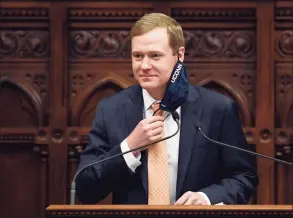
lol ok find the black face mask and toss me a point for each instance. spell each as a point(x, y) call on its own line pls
point(177, 89)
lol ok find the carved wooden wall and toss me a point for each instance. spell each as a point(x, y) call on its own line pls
point(59, 59)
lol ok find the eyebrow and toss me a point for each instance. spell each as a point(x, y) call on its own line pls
point(149, 52)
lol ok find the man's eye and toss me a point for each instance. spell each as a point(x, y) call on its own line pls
point(156, 56)
point(137, 56)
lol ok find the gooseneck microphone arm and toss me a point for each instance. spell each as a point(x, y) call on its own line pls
point(175, 116)
point(241, 149)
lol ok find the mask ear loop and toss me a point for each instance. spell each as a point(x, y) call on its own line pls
point(166, 117)
point(179, 59)
point(157, 111)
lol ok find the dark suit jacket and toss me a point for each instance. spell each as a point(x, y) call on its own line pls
point(223, 174)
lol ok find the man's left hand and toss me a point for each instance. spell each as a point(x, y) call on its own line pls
point(191, 198)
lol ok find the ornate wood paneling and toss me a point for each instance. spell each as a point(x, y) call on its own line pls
point(23, 44)
point(93, 82)
point(284, 96)
point(99, 44)
point(24, 63)
point(58, 59)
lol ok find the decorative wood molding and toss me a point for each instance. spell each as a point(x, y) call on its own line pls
point(284, 84)
point(284, 135)
point(24, 44)
point(81, 100)
point(240, 78)
point(284, 93)
point(99, 44)
point(154, 211)
point(58, 135)
point(39, 81)
point(42, 136)
point(284, 152)
point(24, 135)
point(284, 45)
point(31, 14)
point(284, 14)
point(107, 14)
point(265, 135)
point(75, 151)
point(218, 46)
point(238, 96)
point(251, 135)
point(17, 138)
point(213, 14)
point(42, 150)
point(200, 44)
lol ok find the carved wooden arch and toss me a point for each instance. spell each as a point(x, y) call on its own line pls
point(238, 96)
point(30, 92)
point(81, 100)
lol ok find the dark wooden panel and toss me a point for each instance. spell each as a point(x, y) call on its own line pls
point(18, 108)
point(23, 180)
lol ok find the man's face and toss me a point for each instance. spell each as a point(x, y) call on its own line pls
point(153, 60)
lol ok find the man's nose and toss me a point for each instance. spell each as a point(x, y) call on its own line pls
point(146, 64)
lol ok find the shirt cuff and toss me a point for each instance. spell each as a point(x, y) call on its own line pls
point(131, 161)
point(205, 197)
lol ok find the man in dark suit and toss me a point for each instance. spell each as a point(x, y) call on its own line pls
point(197, 171)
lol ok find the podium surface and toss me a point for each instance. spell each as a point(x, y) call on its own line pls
point(82, 211)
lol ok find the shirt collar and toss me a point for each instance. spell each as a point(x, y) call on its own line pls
point(148, 100)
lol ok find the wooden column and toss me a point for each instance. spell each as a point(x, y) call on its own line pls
point(265, 100)
point(58, 102)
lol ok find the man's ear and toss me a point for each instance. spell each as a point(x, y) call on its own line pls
point(181, 52)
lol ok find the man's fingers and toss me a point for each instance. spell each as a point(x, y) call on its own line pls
point(156, 137)
point(190, 201)
point(183, 199)
point(154, 119)
point(155, 125)
point(157, 131)
point(191, 198)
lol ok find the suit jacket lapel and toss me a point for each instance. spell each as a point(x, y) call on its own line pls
point(134, 108)
point(190, 114)
point(134, 114)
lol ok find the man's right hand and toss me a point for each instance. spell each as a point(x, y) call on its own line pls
point(147, 131)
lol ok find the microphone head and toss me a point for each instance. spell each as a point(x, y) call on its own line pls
point(198, 126)
point(175, 116)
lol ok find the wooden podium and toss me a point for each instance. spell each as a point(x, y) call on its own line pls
point(99, 211)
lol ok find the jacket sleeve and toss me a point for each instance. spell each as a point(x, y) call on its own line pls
point(239, 178)
point(97, 181)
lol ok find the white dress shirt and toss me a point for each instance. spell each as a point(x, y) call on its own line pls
point(172, 146)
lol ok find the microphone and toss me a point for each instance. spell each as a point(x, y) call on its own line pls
point(175, 116)
point(198, 127)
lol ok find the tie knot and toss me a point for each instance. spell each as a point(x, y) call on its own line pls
point(157, 110)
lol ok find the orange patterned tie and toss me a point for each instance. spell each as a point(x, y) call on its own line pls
point(158, 174)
